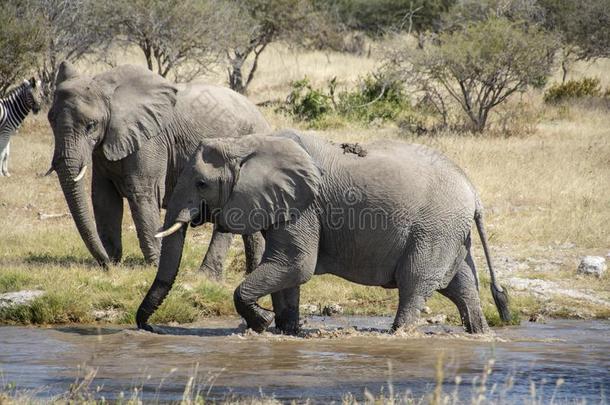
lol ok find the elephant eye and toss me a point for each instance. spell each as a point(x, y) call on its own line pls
point(201, 184)
point(90, 126)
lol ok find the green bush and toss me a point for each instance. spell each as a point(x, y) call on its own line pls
point(573, 89)
point(307, 103)
point(375, 98)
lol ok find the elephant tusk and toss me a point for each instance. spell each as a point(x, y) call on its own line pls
point(169, 230)
point(81, 174)
point(48, 173)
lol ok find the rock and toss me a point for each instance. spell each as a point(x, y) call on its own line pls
point(437, 319)
point(593, 265)
point(332, 309)
point(539, 318)
point(106, 315)
point(426, 310)
point(309, 309)
point(19, 297)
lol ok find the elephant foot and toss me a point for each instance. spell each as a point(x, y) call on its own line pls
point(403, 326)
point(260, 319)
point(288, 321)
point(257, 318)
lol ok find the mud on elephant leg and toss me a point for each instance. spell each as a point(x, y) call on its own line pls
point(464, 293)
point(213, 262)
point(286, 307)
point(108, 211)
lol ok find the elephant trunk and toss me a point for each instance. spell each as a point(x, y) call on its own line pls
point(169, 263)
point(77, 200)
point(68, 171)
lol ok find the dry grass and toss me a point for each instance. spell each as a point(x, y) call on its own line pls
point(540, 191)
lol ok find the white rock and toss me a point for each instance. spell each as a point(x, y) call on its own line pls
point(107, 315)
point(309, 309)
point(19, 297)
point(437, 319)
point(593, 265)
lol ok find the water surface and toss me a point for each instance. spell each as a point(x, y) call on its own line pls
point(331, 360)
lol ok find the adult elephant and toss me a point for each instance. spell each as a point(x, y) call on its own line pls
point(391, 214)
point(137, 131)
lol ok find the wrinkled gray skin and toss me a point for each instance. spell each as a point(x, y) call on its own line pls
point(137, 131)
point(398, 217)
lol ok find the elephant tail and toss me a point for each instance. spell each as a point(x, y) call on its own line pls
point(498, 293)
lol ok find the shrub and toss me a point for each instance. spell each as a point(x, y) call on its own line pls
point(375, 98)
point(573, 89)
point(307, 103)
point(479, 66)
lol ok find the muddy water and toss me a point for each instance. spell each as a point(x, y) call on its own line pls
point(330, 360)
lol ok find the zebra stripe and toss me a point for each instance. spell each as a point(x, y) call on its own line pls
point(13, 110)
point(15, 107)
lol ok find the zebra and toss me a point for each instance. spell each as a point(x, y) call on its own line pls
point(13, 110)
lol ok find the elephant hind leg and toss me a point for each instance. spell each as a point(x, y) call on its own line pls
point(415, 286)
point(464, 293)
point(420, 274)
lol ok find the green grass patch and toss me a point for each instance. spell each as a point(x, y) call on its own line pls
point(14, 281)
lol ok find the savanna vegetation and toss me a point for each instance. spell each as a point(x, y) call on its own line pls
point(515, 91)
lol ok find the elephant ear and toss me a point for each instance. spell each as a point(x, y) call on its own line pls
point(65, 72)
point(140, 106)
point(275, 182)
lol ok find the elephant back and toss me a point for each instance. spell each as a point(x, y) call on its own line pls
point(219, 112)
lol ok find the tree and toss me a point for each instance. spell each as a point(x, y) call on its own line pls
point(464, 12)
point(181, 37)
point(68, 32)
point(262, 22)
point(480, 66)
point(21, 39)
point(584, 28)
point(377, 17)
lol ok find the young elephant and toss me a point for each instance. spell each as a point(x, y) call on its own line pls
point(391, 214)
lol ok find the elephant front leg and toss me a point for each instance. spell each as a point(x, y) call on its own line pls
point(145, 213)
point(289, 261)
point(214, 259)
point(254, 246)
point(286, 307)
point(108, 211)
